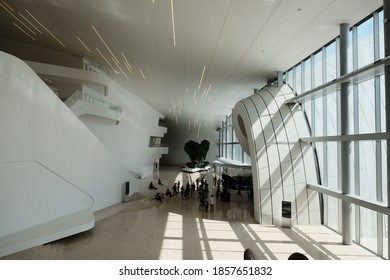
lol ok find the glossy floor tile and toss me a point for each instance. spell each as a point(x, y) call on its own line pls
point(180, 229)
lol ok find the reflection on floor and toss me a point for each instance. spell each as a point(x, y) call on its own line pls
point(179, 229)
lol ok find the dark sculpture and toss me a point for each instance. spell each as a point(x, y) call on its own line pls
point(197, 152)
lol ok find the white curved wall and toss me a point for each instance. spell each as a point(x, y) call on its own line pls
point(269, 131)
point(37, 127)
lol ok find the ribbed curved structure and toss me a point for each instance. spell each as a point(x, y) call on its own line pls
point(269, 131)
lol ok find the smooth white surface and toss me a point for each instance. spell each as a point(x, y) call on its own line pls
point(281, 164)
point(21, 182)
point(36, 126)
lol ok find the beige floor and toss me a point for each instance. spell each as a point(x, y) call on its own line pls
point(179, 229)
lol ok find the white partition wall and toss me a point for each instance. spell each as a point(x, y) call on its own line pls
point(269, 131)
point(54, 172)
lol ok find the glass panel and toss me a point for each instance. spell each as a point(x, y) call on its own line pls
point(307, 110)
point(298, 79)
point(365, 36)
point(331, 153)
point(307, 65)
point(229, 135)
point(229, 151)
point(367, 170)
point(350, 52)
point(320, 155)
point(333, 215)
point(366, 96)
point(319, 124)
point(381, 36)
point(385, 238)
point(331, 69)
point(384, 171)
point(318, 69)
point(383, 107)
point(237, 152)
point(229, 120)
point(290, 78)
point(331, 114)
point(368, 229)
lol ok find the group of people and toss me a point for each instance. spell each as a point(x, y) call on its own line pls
point(187, 191)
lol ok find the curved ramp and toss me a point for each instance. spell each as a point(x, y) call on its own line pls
point(63, 210)
point(269, 131)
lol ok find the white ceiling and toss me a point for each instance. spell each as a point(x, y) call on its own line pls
point(239, 43)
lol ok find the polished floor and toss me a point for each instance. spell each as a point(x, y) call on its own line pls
point(179, 229)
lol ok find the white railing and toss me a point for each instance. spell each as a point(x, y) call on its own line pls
point(79, 95)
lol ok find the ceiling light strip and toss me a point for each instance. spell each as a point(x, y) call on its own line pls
point(9, 7)
point(105, 43)
point(36, 28)
point(208, 90)
point(142, 73)
point(107, 60)
point(128, 68)
point(50, 81)
point(24, 31)
point(203, 95)
point(173, 24)
point(29, 29)
point(85, 46)
point(117, 64)
point(201, 78)
point(46, 29)
point(124, 57)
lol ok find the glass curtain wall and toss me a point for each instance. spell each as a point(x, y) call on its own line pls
point(368, 170)
point(229, 147)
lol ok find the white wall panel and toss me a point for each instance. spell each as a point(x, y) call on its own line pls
point(281, 166)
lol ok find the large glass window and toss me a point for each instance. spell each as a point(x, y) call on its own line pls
point(298, 79)
point(307, 74)
point(331, 63)
point(365, 38)
point(366, 96)
point(318, 80)
point(366, 115)
point(381, 36)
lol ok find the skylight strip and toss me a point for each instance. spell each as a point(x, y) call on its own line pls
point(36, 28)
point(117, 64)
point(50, 81)
point(127, 61)
point(201, 78)
point(142, 73)
point(24, 31)
point(128, 68)
point(105, 43)
point(29, 29)
point(7, 5)
point(83, 44)
point(173, 24)
point(46, 29)
point(208, 90)
point(106, 60)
